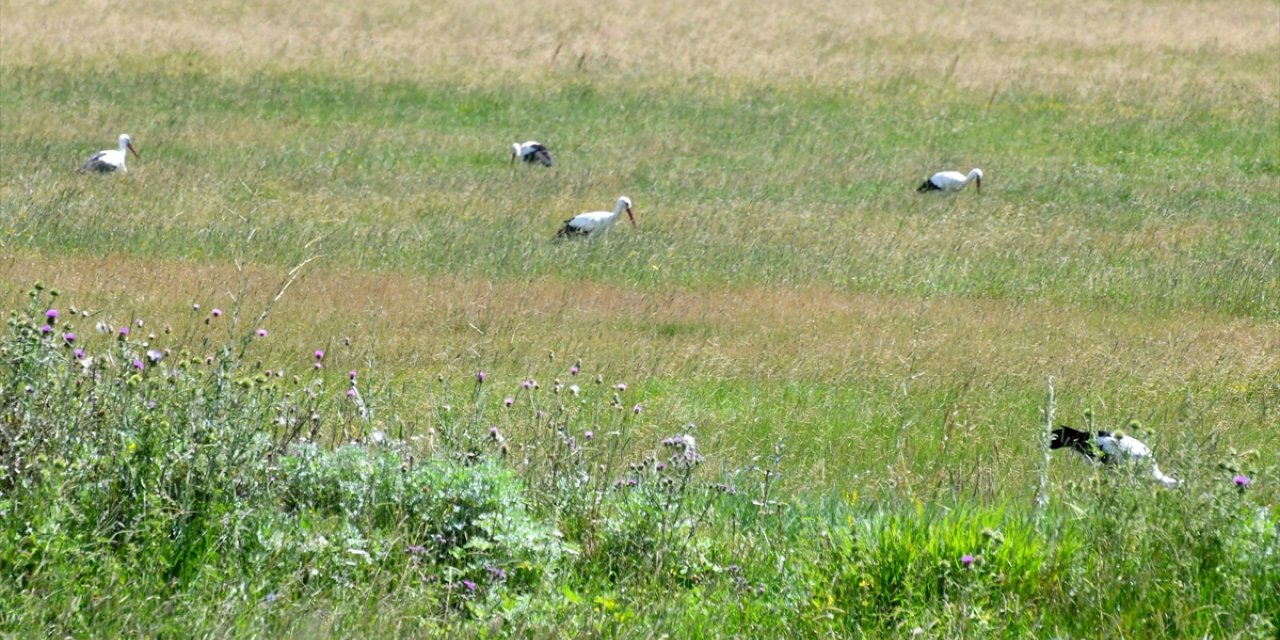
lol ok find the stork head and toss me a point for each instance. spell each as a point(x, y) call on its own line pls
point(625, 203)
point(977, 179)
point(127, 143)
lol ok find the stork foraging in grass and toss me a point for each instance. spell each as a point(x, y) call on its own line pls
point(596, 222)
point(531, 152)
point(951, 181)
point(110, 160)
point(1109, 449)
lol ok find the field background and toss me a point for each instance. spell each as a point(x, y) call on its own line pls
point(784, 284)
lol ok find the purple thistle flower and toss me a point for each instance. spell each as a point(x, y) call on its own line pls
point(508, 401)
point(78, 353)
point(46, 330)
point(573, 371)
point(352, 393)
point(621, 386)
point(262, 333)
point(480, 377)
point(319, 354)
point(319, 366)
point(154, 356)
point(69, 337)
point(966, 559)
point(137, 364)
point(351, 374)
point(636, 409)
point(1242, 481)
point(528, 384)
point(51, 315)
point(589, 435)
point(124, 332)
point(416, 549)
point(471, 586)
point(217, 312)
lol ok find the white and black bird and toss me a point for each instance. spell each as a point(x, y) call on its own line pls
point(1109, 449)
point(596, 222)
point(951, 181)
point(110, 160)
point(531, 152)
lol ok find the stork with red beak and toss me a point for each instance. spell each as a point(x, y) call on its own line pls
point(596, 222)
point(951, 181)
point(110, 160)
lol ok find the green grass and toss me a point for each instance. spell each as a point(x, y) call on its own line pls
point(864, 366)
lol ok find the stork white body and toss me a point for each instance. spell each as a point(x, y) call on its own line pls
point(531, 152)
point(951, 181)
point(110, 160)
point(1126, 449)
point(596, 222)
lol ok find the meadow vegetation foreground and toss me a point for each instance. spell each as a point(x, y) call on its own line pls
point(316, 367)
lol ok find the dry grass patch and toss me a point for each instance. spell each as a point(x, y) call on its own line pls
point(423, 323)
point(986, 44)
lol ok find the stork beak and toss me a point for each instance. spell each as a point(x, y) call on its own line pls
point(631, 217)
point(978, 185)
point(135, 151)
point(513, 158)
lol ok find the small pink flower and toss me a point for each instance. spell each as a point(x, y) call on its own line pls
point(966, 560)
point(319, 354)
point(1242, 481)
point(137, 364)
point(528, 384)
point(589, 435)
point(124, 332)
point(46, 330)
point(262, 333)
point(508, 401)
point(78, 353)
point(351, 393)
point(573, 371)
point(51, 315)
point(621, 386)
point(351, 374)
point(217, 312)
point(636, 409)
point(480, 377)
point(318, 366)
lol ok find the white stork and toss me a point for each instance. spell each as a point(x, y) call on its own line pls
point(596, 222)
point(1114, 449)
point(951, 181)
point(531, 152)
point(110, 160)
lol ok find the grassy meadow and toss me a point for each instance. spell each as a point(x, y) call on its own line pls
point(866, 369)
